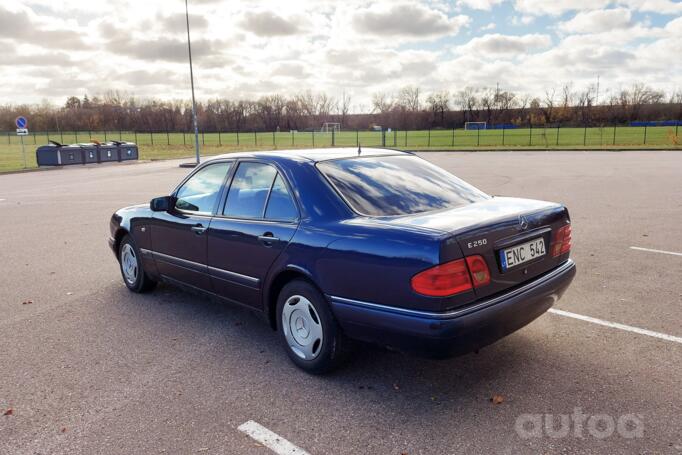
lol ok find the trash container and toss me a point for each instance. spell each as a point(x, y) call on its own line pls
point(70, 154)
point(48, 155)
point(56, 154)
point(108, 152)
point(128, 151)
point(90, 153)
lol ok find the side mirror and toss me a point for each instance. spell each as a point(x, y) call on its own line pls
point(161, 204)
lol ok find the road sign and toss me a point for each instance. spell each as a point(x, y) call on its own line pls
point(22, 131)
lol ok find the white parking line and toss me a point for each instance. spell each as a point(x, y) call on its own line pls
point(655, 251)
point(269, 439)
point(615, 325)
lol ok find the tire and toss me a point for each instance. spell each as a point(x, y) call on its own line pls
point(134, 276)
point(308, 330)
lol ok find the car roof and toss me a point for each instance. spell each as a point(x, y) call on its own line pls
point(315, 155)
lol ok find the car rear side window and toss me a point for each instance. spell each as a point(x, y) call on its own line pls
point(397, 185)
point(280, 204)
point(200, 192)
point(249, 190)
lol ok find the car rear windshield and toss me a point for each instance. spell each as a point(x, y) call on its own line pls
point(397, 185)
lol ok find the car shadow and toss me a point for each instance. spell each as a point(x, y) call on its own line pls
point(369, 367)
point(530, 371)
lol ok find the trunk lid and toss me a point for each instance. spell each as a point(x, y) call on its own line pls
point(488, 228)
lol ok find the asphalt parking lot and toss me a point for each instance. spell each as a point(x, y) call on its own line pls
point(88, 367)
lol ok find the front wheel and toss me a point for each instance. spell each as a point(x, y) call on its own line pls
point(311, 336)
point(133, 274)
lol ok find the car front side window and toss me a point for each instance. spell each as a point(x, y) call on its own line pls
point(200, 193)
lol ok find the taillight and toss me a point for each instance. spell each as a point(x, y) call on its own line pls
point(443, 280)
point(452, 277)
point(480, 275)
point(562, 241)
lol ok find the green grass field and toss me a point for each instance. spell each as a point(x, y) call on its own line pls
point(179, 145)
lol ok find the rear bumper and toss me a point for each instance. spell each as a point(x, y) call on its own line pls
point(458, 331)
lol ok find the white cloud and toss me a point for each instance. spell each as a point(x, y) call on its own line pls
point(598, 21)
point(508, 45)
point(267, 23)
point(412, 20)
point(654, 6)
point(250, 49)
point(557, 7)
point(484, 5)
point(523, 20)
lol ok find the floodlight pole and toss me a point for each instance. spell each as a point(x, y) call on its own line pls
point(191, 78)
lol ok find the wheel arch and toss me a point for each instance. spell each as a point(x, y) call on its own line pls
point(118, 238)
point(280, 280)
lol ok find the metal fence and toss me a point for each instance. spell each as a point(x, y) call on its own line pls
point(530, 136)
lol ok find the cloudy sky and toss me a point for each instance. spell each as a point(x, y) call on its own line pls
point(243, 49)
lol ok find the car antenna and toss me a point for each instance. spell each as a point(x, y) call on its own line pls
point(359, 149)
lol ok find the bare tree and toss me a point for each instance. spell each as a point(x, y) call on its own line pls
point(585, 103)
point(382, 102)
point(505, 101)
point(467, 101)
point(345, 107)
point(438, 105)
point(408, 98)
point(548, 108)
point(487, 104)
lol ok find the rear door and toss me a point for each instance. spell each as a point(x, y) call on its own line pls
point(179, 239)
point(257, 221)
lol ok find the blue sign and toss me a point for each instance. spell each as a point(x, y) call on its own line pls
point(21, 122)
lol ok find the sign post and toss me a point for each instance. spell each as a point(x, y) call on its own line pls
point(22, 131)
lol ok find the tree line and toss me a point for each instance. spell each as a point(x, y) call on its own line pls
point(407, 109)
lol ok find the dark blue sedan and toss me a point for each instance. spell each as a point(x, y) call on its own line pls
point(345, 244)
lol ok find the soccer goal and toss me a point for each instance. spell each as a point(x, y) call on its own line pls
point(328, 127)
point(475, 125)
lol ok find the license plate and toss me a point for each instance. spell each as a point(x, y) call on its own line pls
point(511, 257)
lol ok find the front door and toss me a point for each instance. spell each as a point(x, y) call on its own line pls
point(258, 220)
point(179, 236)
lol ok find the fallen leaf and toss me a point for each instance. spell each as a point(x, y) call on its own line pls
point(203, 449)
point(63, 430)
point(497, 399)
point(9, 412)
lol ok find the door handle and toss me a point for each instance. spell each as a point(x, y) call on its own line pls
point(198, 229)
point(268, 239)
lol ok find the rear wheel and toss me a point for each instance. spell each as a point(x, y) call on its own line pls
point(311, 336)
point(133, 274)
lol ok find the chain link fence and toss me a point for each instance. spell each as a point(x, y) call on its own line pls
point(532, 136)
point(167, 144)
